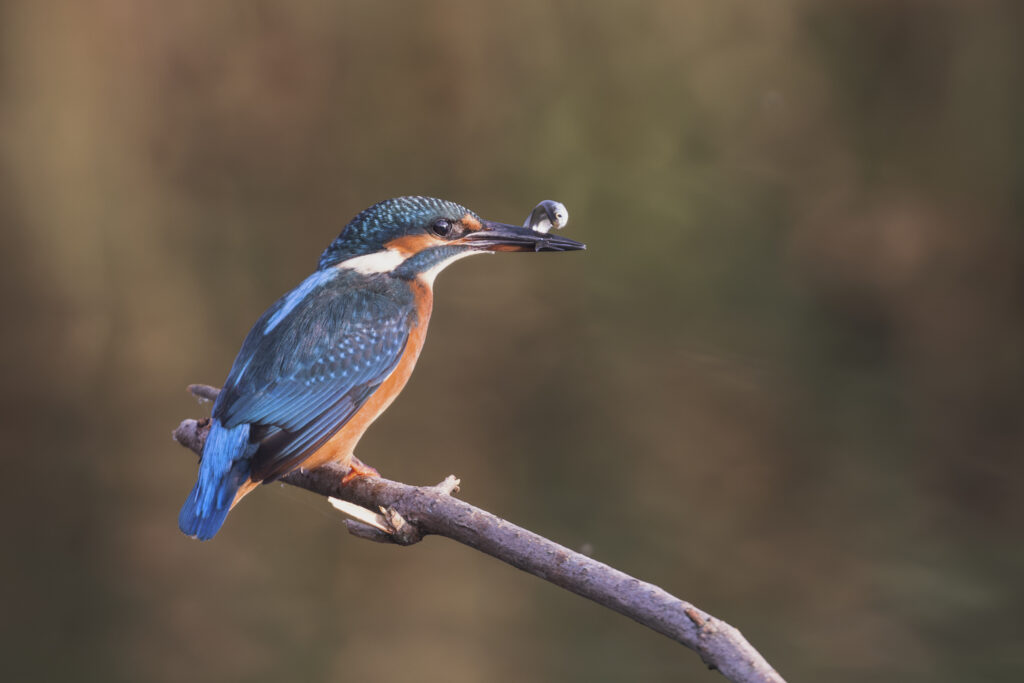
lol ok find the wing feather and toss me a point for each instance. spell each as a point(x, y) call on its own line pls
point(301, 375)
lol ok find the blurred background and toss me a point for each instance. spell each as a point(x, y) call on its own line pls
point(784, 382)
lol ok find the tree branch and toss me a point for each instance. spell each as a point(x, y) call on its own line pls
point(410, 512)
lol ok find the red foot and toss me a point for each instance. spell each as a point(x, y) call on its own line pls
point(357, 468)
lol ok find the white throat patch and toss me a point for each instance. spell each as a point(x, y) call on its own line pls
point(371, 264)
point(387, 260)
point(429, 275)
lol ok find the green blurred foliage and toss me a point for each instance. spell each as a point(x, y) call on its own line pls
point(784, 382)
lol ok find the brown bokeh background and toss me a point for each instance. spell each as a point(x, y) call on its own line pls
point(784, 382)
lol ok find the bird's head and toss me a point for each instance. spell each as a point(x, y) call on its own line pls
point(418, 236)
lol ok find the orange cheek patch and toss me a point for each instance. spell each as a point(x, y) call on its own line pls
point(413, 244)
point(471, 224)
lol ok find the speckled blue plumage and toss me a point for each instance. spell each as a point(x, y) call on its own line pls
point(304, 377)
point(367, 232)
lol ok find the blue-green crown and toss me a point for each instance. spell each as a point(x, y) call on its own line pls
point(392, 218)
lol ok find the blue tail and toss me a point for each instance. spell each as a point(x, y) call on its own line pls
point(224, 468)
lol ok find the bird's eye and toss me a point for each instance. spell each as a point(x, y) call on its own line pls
point(442, 227)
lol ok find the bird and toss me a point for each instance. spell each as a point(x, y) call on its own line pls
point(327, 358)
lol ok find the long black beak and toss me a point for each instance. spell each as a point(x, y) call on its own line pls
point(502, 237)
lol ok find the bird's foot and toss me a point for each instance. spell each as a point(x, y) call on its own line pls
point(357, 468)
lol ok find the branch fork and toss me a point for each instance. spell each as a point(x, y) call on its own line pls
point(388, 525)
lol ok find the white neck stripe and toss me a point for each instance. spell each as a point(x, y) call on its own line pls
point(387, 260)
point(429, 275)
point(372, 264)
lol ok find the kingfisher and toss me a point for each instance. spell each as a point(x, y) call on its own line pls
point(325, 360)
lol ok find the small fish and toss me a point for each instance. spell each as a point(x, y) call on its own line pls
point(547, 215)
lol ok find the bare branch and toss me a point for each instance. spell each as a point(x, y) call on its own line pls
point(410, 512)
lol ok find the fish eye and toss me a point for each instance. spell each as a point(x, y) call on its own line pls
point(441, 227)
